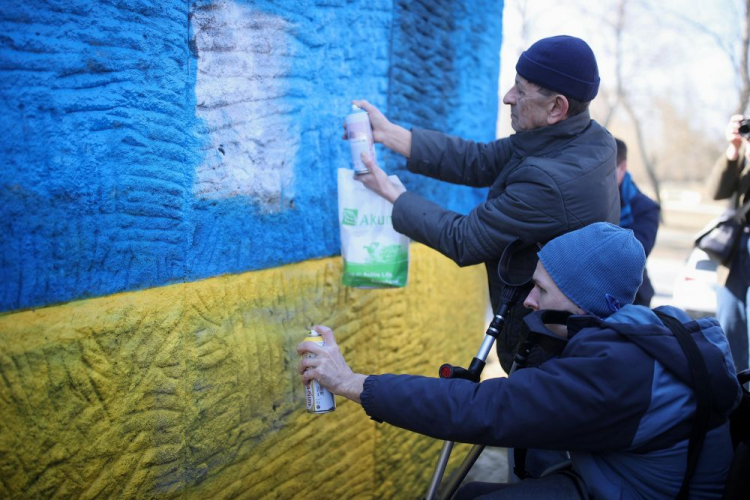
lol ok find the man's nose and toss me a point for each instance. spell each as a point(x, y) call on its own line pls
point(510, 97)
point(531, 302)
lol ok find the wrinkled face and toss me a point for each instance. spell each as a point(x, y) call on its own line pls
point(528, 108)
point(546, 295)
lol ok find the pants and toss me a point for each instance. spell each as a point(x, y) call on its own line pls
point(561, 486)
point(537, 462)
point(731, 310)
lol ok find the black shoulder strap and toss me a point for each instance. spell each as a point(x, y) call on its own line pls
point(519, 463)
point(537, 334)
point(702, 387)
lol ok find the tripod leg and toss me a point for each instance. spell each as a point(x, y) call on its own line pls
point(437, 476)
point(455, 479)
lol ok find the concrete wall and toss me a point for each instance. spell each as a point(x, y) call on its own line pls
point(168, 217)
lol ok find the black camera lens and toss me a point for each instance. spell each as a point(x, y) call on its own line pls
point(744, 129)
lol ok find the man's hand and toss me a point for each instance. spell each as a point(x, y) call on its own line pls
point(378, 181)
point(328, 367)
point(392, 136)
point(733, 137)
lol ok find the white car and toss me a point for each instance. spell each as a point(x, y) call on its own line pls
point(695, 286)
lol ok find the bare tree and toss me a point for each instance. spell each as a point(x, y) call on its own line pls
point(742, 69)
point(685, 151)
point(734, 43)
point(621, 96)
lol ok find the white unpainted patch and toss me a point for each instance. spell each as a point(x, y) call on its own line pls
point(244, 57)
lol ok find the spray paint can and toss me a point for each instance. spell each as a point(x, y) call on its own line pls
point(359, 133)
point(318, 398)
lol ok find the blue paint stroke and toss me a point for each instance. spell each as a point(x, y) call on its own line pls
point(100, 142)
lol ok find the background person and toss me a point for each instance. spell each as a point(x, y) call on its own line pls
point(730, 178)
point(554, 175)
point(624, 417)
point(639, 213)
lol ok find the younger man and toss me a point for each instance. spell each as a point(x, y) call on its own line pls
point(624, 417)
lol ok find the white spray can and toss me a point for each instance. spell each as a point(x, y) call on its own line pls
point(359, 133)
point(318, 398)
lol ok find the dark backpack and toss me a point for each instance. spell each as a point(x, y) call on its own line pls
point(737, 485)
point(738, 481)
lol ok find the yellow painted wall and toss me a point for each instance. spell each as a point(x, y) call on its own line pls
point(191, 390)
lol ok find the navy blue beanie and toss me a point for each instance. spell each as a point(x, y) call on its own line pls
point(598, 267)
point(564, 64)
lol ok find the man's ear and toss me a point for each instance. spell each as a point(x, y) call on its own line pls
point(557, 109)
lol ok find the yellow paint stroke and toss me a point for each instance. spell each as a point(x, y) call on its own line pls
point(191, 390)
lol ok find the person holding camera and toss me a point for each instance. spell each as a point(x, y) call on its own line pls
point(624, 416)
point(730, 179)
point(554, 175)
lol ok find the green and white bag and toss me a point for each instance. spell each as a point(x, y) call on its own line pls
point(375, 255)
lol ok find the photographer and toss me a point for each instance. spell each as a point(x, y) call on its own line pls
point(554, 175)
point(730, 178)
point(624, 417)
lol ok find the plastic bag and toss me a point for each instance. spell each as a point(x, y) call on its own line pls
point(375, 255)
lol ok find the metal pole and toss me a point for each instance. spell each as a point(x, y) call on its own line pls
point(454, 481)
point(437, 476)
point(509, 297)
point(445, 452)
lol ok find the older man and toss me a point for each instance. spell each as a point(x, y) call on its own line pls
point(617, 397)
point(554, 175)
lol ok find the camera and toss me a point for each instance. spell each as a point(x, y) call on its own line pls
point(744, 129)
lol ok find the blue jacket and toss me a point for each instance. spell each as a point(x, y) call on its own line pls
point(640, 213)
point(624, 417)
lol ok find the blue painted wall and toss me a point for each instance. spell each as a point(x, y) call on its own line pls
point(146, 142)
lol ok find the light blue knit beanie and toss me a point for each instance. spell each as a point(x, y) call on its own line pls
point(598, 267)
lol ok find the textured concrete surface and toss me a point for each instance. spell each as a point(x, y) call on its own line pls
point(152, 142)
point(190, 391)
point(169, 233)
